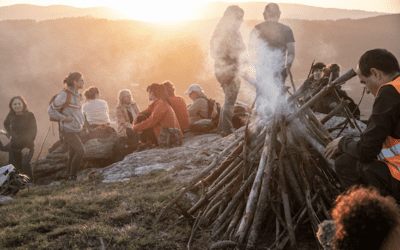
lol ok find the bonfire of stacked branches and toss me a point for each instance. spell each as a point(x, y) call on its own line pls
point(275, 178)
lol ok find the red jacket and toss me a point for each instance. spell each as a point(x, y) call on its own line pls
point(162, 114)
point(181, 111)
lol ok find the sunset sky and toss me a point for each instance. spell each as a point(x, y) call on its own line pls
point(157, 10)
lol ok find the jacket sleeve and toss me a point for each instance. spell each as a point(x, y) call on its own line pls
point(148, 110)
point(122, 122)
point(55, 107)
point(153, 120)
point(7, 125)
point(382, 123)
point(32, 131)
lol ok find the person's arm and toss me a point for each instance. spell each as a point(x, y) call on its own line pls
point(7, 125)
point(153, 120)
point(32, 130)
point(290, 55)
point(122, 121)
point(196, 107)
point(385, 115)
point(55, 107)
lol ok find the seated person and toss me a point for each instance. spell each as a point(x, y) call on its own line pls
point(150, 121)
point(95, 110)
point(199, 109)
point(364, 219)
point(178, 104)
point(127, 110)
point(334, 69)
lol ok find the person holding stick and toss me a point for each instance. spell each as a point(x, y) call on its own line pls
point(374, 158)
point(20, 125)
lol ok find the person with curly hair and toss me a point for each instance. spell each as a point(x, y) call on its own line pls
point(365, 219)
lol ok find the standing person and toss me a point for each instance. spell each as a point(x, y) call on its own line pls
point(95, 110)
point(67, 108)
point(374, 158)
point(272, 47)
point(20, 125)
point(160, 113)
point(226, 46)
point(179, 106)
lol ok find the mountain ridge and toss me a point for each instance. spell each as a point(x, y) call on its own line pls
point(253, 11)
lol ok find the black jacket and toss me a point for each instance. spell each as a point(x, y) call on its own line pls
point(384, 121)
point(22, 129)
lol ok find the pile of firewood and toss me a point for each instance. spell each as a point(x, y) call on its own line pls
point(275, 178)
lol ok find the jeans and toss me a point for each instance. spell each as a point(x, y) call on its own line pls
point(76, 152)
point(22, 162)
point(231, 91)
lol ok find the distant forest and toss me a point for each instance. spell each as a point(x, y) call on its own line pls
point(114, 55)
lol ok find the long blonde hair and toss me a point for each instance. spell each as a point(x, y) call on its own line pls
point(121, 92)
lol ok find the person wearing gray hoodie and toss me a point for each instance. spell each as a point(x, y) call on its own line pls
point(67, 109)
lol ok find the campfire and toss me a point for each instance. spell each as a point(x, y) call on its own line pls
point(275, 177)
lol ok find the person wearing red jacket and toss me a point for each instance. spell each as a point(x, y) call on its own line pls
point(178, 104)
point(159, 113)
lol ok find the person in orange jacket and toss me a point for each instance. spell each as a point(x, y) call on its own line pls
point(374, 157)
point(178, 104)
point(159, 113)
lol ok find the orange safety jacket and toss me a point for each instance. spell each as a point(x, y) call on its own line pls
point(390, 153)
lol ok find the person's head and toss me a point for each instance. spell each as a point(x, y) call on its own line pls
point(316, 70)
point(333, 69)
point(194, 91)
point(74, 80)
point(234, 15)
point(169, 87)
point(272, 11)
point(92, 93)
point(363, 219)
point(377, 67)
point(156, 91)
point(125, 96)
point(18, 105)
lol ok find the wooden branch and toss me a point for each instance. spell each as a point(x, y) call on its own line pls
point(266, 159)
point(196, 179)
point(334, 111)
point(330, 87)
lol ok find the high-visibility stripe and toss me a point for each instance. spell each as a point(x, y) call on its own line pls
point(390, 153)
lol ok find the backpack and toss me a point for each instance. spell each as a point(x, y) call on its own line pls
point(169, 137)
point(66, 104)
point(214, 111)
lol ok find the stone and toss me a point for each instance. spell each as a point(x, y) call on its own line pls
point(5, 199)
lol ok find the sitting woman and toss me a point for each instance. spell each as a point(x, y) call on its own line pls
point(127, 110)
point(179, 106)
point(20, 125)
point(159, 113)
point(95, 110)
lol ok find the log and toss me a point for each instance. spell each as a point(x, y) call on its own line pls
point(196, 179)
point(334, 111)
point(266, 159)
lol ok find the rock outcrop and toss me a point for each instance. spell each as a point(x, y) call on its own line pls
point(98, 153)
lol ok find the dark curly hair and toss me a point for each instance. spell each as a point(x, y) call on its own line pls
point(363, 219)
point(169, 87)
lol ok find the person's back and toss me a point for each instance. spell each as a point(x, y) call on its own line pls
point(95, 110)
point(179, 106)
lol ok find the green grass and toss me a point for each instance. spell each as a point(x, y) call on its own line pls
point(77, 215)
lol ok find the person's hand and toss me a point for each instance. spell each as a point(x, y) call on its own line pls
point(25, 151)
point(332, 149)
point(68, 119)
point(3, 132)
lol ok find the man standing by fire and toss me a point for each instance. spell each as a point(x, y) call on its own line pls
point(271, 46)
point(374, 157)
